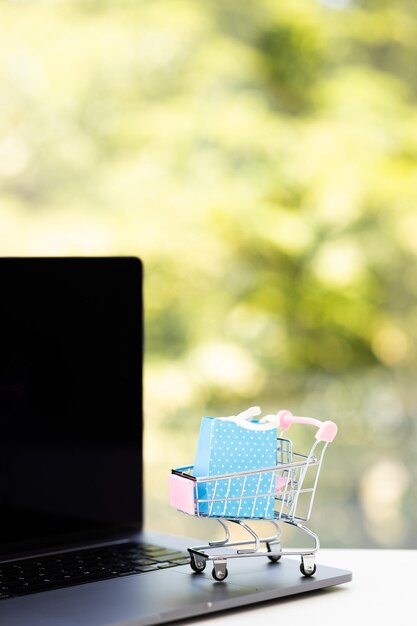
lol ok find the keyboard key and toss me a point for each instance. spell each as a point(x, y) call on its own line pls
point(149, 568)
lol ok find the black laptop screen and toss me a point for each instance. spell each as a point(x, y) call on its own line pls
point(70, 400)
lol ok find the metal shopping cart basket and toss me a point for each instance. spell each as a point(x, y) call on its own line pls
point(292, 484)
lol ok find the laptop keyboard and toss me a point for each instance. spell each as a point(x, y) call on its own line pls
point(27, 576)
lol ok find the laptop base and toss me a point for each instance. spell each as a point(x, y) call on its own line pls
point(167, 595)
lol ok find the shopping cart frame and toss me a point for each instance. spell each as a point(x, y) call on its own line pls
point(286, 503)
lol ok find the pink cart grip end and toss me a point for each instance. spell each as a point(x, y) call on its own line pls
point(327, 431)
point(284, 419)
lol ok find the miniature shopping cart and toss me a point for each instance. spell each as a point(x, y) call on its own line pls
point(291, 484)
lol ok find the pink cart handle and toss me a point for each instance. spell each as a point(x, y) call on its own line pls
point(326, 430)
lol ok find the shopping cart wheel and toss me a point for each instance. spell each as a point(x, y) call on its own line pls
point(306, 572)
point(219, 572)
point(222, 575)
point(197, 565)
point(273, 547)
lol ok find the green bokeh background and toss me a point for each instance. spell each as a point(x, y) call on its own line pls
point(261, 158)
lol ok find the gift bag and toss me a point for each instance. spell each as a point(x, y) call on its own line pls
point(229, 445)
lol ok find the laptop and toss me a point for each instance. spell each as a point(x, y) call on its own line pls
point(73, 551)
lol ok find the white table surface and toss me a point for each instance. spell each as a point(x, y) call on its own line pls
point(383, 591)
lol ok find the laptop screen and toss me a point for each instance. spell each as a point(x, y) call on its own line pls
point(70, 400)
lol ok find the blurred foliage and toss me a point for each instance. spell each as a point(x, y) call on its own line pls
point(261, 158)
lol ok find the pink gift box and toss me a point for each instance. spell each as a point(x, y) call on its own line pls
point(280, 484)
point(181, 493)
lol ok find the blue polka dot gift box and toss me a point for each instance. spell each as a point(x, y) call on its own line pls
point(229, 445)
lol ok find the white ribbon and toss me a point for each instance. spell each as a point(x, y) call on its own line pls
point(243, 419)
point(253, 411)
